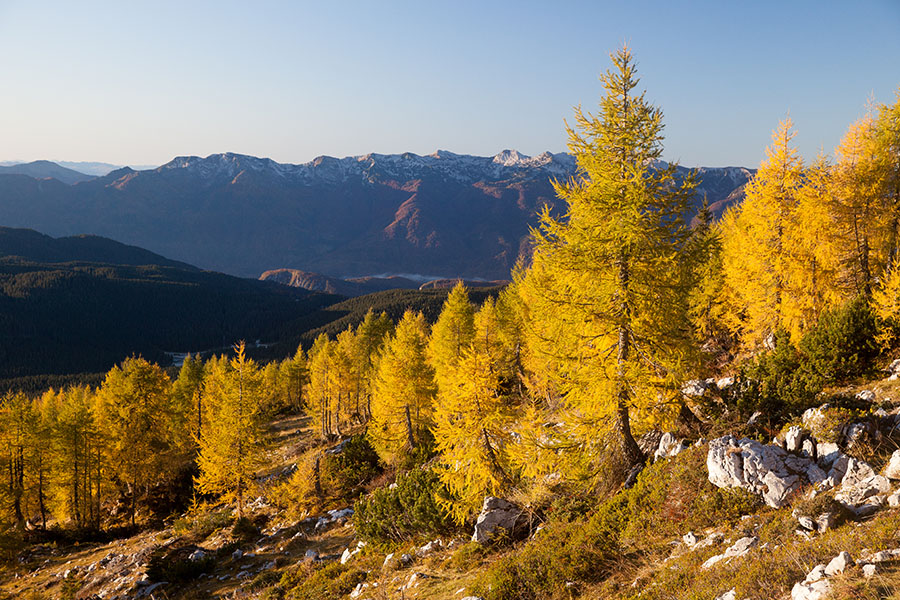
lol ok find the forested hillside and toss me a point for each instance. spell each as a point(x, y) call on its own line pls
point(60, 318)
point(660, 405)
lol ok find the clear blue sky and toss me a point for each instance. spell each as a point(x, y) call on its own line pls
point(131, 82)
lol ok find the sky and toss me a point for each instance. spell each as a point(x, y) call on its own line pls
point(139, 82)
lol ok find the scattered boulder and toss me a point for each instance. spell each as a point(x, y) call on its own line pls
point(866, 396)
point(196, 555)
point(496, 514)
point(892, 470)
point(649, 442)
point(838, 564)
point(893, 370)
point(856, 493)
point(738, 549)
point(827, 453)
point(726, 382)
point(311, 555)
point(729, 595)
point(669, 446)
point(429, 548)
point(695, 387)
point(414, 580)
point(814, 587)
point(826, 521)
point(774, 473)
point(800, 441)
point(348, 553)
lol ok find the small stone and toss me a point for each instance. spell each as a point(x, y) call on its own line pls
point(869, 570)
point(825, 521)
point(866, 395)
point(892, 470)
point(808, 523)
point(725, 383)
point(196, 555)
point(817, 573)
point(237, 554)
point(839, 564)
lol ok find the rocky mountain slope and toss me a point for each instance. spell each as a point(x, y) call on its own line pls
point(438, 216)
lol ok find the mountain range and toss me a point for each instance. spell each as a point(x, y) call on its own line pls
point(444, 215)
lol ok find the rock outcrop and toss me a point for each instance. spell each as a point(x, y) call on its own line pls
point(496, 514)
point(774, 473)
point(769, 471)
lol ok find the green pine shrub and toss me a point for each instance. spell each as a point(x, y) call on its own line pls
point(408, 509)
point(843, 344)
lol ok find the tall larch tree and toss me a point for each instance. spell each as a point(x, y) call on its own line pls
point(77, 448)
point(404, 391)
point(887, 156)
point(451, 336)
point(187, 397)
point(135, 415)
point(859, 219)
point(16, 421)
point(320, 400)
point(755, 251)
point(611, 303)
point(231, 448)
point(370, 338)
point(472, 417)
point(812, 265)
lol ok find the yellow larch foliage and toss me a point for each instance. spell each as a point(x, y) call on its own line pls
point(472, 418)
point(403, 393)
point(231, 447)
point(755, 247)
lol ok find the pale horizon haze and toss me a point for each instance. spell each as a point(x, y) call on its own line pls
point(139, 83)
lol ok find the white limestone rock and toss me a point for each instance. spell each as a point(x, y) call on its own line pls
point(766, 470)
point(669, 446)
point(892, 470)
point(496, 513)
point(839, 564)
point(738, 549)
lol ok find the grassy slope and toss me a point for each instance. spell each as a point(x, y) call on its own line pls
point(624, 548)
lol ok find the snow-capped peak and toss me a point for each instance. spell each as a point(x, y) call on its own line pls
point(510, 158)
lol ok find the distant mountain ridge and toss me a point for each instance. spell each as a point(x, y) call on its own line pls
point(44, 169)
point(446, 214)
point(29, 245)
